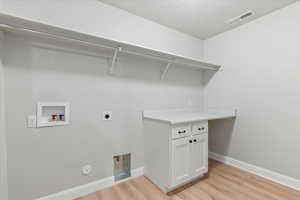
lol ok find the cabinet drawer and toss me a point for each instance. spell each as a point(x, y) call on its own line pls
point(181, 131)
point(200, 128)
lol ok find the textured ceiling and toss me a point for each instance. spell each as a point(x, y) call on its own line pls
point(200, 18)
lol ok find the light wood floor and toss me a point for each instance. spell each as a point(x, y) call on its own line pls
point(221, 183)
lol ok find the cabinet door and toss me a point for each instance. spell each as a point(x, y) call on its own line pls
point(199, 155)
point(180, 160)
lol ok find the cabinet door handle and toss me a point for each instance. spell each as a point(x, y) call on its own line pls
point(191, 141)
point(195, 140)
point(182, 131)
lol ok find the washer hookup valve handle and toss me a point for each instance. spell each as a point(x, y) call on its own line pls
point(60, 117)
point(54, 117)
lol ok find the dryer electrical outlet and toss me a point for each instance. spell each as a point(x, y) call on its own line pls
point(107, 115)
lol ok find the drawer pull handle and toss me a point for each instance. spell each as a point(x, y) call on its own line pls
point(182, 131)
point(200, 129)
point(191, 141)
point(195, 140)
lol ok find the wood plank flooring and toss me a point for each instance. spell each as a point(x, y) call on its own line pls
point(223, 182)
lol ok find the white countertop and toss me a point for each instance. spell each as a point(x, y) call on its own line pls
point(185, 116)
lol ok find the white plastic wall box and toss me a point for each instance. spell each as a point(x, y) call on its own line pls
point(46, 109)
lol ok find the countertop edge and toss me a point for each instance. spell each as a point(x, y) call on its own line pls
point(187, 121)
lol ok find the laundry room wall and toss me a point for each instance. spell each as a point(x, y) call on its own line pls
point(261, 80)
point(42, 161)
point(48, 160)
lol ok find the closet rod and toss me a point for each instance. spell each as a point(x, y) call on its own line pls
point(51, 36)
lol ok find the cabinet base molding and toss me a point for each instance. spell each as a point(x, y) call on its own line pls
point(259, 171)
point(180, 185)
point(170, 189)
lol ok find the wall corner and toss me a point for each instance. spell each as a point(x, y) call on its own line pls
point(3, 147)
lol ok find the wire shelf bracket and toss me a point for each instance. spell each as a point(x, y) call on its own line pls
point(114, 60)
point(165, 70)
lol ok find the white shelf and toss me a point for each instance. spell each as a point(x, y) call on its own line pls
point(114, 48)
point(53, 114)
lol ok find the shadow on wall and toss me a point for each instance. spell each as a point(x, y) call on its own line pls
point(220, 135)
point(207, 76)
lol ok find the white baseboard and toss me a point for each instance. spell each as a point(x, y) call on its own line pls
point(265, 173)
point(83, 190)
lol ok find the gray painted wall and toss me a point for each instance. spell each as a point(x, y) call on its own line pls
point(48, 160)
point(3, 166)
point(261, 79)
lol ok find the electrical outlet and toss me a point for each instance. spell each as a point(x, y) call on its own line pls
point(86, 170)
point(107, 115)
point(31, 121)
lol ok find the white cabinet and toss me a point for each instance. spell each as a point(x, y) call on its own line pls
point(199, 155)
point(200, 127)
point(181, 131)
point(189, 158)
point(181, 150)
point(175, 154)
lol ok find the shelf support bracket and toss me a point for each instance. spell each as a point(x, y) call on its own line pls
point(114, 60)
point(166, 69)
